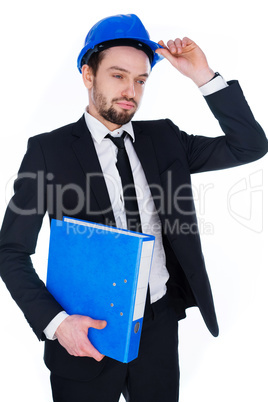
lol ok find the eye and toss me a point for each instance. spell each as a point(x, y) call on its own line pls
point(141, 82)
point(118, 76)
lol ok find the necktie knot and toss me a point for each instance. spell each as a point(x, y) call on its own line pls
point(118, 141)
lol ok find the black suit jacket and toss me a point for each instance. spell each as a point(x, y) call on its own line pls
point(61, 174)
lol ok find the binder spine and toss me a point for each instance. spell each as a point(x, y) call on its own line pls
point(131, 314)
point(140, 292)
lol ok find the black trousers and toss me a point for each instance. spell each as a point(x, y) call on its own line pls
point(152, 377)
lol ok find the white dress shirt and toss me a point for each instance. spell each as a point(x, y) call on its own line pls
point(150, 222)
point(107, 154)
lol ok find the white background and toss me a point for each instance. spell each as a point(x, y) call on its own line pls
point(41, 89)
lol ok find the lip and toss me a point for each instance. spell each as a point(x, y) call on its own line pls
point(125, 105)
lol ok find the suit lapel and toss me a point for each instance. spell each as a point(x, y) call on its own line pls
point(85, 152)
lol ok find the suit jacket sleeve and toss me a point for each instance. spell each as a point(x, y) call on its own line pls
point(18, 237)
point(244, 140)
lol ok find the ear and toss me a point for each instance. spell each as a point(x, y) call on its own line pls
point(88, 76)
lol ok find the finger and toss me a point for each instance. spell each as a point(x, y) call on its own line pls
point(169, 49)
point(93, 352)
point(161, 43)
point(86, 349)
point(171, 46)
point(178, 44)
point(186, 42)
point(165, 52)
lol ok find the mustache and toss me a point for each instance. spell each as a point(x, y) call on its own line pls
point(126, 100)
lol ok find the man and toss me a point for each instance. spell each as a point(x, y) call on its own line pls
point(74, 171)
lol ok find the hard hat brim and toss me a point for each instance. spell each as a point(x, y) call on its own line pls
point(152, 45)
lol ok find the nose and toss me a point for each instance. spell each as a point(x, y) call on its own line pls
point(129, 90)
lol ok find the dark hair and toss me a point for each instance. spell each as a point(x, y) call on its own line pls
point(95, 61)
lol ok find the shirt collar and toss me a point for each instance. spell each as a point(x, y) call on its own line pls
point(99, 131)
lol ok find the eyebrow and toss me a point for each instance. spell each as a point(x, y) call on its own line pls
point(126, 71)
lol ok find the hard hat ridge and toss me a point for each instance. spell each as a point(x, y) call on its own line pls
point(118, 30)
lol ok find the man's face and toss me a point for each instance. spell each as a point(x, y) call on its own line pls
point(118, 86)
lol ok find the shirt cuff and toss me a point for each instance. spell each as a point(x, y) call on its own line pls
point(214, 85)
point(50, 330)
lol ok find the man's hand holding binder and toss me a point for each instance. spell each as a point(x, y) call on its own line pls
point(72, 334)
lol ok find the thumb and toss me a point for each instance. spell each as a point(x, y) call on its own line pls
point(166, 54)
point(164, 51)
point(97, 324)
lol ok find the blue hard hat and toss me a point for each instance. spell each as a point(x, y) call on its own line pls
point(118, 30)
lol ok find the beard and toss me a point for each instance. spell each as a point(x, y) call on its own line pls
point(110, 113)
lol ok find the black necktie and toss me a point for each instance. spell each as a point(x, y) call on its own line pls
point(129, 192)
